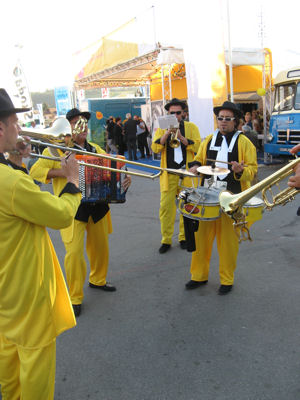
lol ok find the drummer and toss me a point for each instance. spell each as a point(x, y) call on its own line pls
point(189, 140)
point(230, 145)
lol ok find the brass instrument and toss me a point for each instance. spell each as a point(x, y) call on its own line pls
point(61, 126)
point(174, 141)
point(56, 134)
point(231, 204)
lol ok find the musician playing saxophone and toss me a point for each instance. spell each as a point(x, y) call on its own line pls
point(94, 218)
point(225, 144)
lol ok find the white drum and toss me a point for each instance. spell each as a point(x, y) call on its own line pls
point(253, 209)
point(200, 203)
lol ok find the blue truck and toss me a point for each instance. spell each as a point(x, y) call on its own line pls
point(284, 131)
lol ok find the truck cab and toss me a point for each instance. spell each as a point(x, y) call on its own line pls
point(284, 130)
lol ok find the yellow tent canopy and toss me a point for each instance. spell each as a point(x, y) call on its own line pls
point(117, 64)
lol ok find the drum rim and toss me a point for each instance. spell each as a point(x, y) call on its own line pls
point(208, 204)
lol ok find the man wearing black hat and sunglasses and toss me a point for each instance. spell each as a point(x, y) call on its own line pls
point(229, 145)
point(189, 138)
point(93, 218)
point(34, 303)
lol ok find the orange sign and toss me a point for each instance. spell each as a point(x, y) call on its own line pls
point(99, 115)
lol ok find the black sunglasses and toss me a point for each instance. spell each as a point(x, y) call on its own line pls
point(176, 112)
point(227, 119)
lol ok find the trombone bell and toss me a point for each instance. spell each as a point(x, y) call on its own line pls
point(54, 134)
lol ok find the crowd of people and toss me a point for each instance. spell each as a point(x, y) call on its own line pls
point(128, 135)
point(46, 306)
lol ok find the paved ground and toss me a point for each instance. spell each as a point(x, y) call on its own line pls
point(153, 340)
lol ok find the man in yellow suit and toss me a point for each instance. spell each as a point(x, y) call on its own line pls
point(189, 139)
point(229, 145)
point(93, 217)
point(34, 303)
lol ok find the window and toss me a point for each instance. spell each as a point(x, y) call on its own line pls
point(297, 97)
point(284, 97)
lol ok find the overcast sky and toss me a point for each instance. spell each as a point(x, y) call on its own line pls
point(50, 32)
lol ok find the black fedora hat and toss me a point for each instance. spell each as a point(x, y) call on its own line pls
point(228, 105)
point(175, 102)
point(75, 113)
point(6, 105)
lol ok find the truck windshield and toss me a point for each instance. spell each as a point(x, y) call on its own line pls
point(297, 98)
point(284, 97)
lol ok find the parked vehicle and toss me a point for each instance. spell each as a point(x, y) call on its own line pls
point(284, 130)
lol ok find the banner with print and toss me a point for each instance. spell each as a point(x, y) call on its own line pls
point(20, 93)
point(63, 100)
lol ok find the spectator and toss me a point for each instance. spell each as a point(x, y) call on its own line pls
point(110, 135)
point(119, 136)
point(248, 119)
point(130, 129)
point(251, 135)
point(142, 133)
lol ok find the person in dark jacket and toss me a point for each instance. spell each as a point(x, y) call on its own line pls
point(119, 136)
point(130, 129)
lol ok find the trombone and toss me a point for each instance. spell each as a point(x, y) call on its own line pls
point(182, 173)
point(51, 136)
point(105, 156)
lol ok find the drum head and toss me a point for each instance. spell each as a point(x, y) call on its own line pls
point(254, 202)
point(202, 195)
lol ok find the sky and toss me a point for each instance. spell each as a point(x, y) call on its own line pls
point(49, 33)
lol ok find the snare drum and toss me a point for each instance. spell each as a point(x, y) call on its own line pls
point(200, 203)
point(253, 209)
point(98, 184)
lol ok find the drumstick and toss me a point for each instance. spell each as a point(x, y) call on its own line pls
point(228, 163)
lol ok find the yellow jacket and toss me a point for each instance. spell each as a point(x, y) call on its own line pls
point(39, 171)
point(192, 133)
point(246, 153)
point(34, 301)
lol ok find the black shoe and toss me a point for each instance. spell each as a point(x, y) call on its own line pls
point(164, 248)
point(224, 289)
point(194, 284)
point(107, 287)
point(76, 309)
point(183, 244)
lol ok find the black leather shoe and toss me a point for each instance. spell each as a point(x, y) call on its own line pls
point(164, 248)
point(107, 287)
point(224, 289)
point(194, 284)
point(76, 309)
point(183, 244)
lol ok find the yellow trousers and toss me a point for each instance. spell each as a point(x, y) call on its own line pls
point(227, 244)
point(27, 374)
point(97, 248)
point(167, 211)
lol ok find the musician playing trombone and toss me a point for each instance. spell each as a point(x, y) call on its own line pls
point(94, 218)
point(225, 144)
point(175, 158)
point(34, 303)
